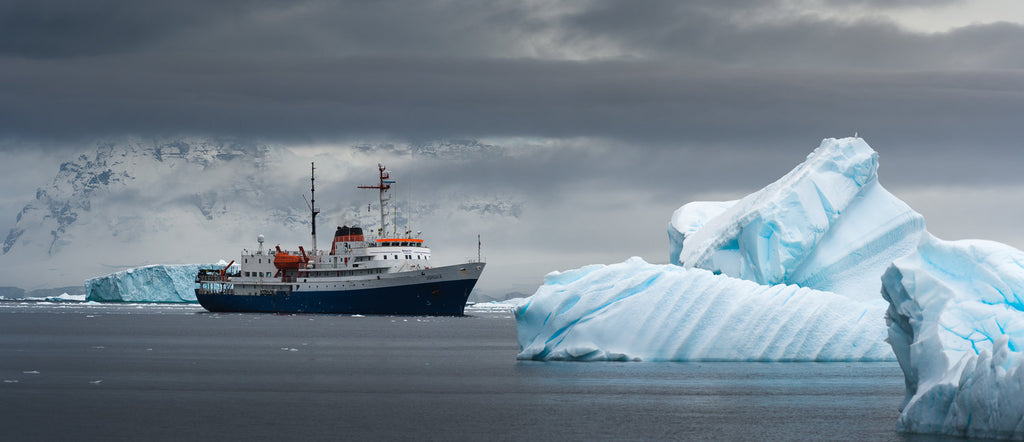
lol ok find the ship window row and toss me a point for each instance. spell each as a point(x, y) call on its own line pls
point(399, 244)
point(356, 272)
point(406, 256)
point(258, 274)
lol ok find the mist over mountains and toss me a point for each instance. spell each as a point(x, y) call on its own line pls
point(130, 202)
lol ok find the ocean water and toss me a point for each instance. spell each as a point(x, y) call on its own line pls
point(75, 371)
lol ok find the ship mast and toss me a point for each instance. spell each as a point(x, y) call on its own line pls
point(383, 186)
point(312, 201)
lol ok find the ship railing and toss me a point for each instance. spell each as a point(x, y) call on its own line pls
point(212, 281)
point(211, 275)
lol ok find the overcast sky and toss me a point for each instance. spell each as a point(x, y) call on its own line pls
point(649, 102)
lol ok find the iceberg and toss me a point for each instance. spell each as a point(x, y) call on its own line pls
point(153, 283)
point(827, 224)
point(956, 323)
point(821, 265)
point(788, 273)
point(635, 311)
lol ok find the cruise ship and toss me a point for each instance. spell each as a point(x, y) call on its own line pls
point(381, 274)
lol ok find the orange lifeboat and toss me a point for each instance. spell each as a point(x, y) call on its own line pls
point(286, 261)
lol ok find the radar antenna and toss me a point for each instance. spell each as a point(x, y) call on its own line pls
point(383, 186)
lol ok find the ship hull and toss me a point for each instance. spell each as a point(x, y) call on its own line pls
point(402, 296)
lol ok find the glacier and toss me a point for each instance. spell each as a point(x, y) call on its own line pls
point(152, 283)
point(822, 265)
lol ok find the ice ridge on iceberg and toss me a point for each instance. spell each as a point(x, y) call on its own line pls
point(638, 311)
point(956, 324)
point(790, 272)
point(153, 283)
point(827, 224)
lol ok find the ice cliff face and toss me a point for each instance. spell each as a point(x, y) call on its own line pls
point(155, 283)
point(639, 311)
point(956, 323)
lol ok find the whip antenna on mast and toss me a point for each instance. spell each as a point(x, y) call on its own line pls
point(312, 201)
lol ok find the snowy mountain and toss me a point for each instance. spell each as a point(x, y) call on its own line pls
point(133, 201)
point(112, 168)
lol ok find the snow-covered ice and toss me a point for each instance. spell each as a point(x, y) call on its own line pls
point(67, 297)
point(827, 224)
point(957, 326)
point(153, 283)
point(639, 311)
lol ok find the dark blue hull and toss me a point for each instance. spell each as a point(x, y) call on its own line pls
point(440, 298)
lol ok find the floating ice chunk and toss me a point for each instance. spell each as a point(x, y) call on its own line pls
point(640, 311)
point(67, 297)
point(827, 224)
point(956, 324)
point(154, 283)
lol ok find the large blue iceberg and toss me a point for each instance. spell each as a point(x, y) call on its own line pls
point(956, 323)
point(805, 254)
point(153, 283)
point(640, 311)
point(822, 264)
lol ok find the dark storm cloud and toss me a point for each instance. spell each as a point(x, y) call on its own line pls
point(893, 3)
point(645, 73)
point(714, 35)
point(63, 28)
point(69, 28)
point(430, 98)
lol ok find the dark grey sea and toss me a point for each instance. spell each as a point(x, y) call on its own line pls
point(77, 371)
